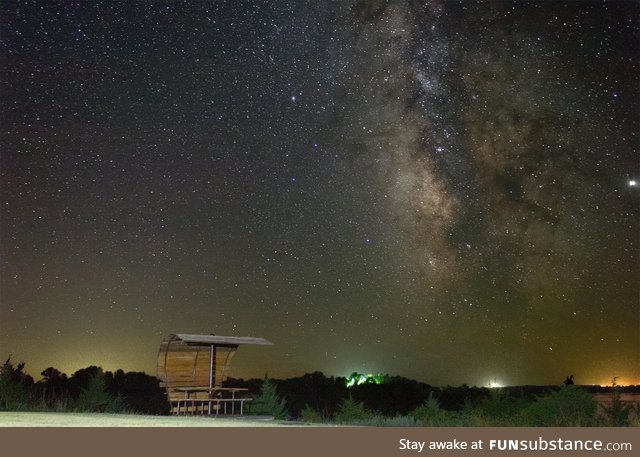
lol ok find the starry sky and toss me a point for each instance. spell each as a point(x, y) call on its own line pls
point(443, 190)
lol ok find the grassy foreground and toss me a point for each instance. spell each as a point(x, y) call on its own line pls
point(49, 419)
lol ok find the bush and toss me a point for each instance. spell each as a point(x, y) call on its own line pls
point(268, 402)
point(95, 398)
point(310, 415)
point(500, 409)
point(570, 406)
point(14, 387)
point(430, 413)
point(352, 412)
point(617, 414)
point(13, 395)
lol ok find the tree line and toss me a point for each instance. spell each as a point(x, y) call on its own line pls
point(89, 389)
point(314, 397)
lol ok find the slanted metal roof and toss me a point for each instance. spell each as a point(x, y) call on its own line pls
point(215, 339)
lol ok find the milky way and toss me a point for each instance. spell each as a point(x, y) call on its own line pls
point(439, 190)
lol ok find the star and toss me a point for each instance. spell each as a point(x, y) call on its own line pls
point(221, 177)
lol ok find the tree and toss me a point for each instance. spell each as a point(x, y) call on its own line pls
point(139, 391)
point(430, 413)
point(54, 387)
point(268, 402)
point(95, 398)
point(14, 386)
point(81, 379)
point(617, 412)
point(352, 411)
point(568, 381)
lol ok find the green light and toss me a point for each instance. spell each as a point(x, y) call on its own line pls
point(357, 379)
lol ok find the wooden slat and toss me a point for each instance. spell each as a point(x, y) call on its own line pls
point(182, 364)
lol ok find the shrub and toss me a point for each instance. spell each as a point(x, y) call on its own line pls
point(268, 402)
point(430, 413)
point(308, 414)
point(13, 395)
point(95, 398)
point(500, 409)
point(570, 406)
point(352, 412)
point(617, 414)
point(14, 386)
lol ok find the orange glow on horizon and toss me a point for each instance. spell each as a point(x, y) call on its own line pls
point(619, 382)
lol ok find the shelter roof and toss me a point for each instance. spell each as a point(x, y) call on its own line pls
point(215, 339)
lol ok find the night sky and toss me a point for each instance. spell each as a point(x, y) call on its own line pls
point(447, 191)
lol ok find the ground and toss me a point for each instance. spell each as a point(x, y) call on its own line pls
point(30, 419)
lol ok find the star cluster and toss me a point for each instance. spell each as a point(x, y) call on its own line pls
point(440, 190)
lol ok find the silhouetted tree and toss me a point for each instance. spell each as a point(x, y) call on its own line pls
point(568, 380)
point(617, 413)
point(314, 390)
point(15, 386)
point(82, 378)
point(397, 395)
point(53, 388)
point(139, 392)
point(95, 398)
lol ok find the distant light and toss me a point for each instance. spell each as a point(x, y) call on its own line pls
point(618, 382)
point(495, 384)
point(633, 183)
point(357, 379)
point(293, 98)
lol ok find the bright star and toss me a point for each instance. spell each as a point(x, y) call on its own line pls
point(633, 183)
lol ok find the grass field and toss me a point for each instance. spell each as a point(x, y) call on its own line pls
point(35, 419)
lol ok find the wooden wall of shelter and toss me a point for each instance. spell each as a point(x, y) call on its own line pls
point(186, 360)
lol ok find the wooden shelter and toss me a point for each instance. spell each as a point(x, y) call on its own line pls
point(195, 366)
